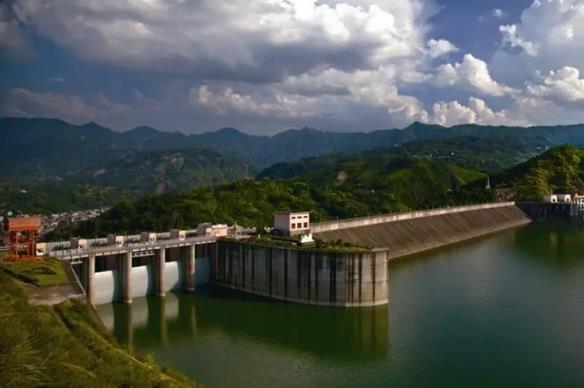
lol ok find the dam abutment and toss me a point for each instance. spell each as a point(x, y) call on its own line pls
point(329, 278)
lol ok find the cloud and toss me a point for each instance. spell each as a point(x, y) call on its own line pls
point(11, 36)
point(564, 84)
point(473, 74)
point(261, 40)
point(476, 112)
point(512, 38)
point(269, 64)
point(314, 94)
point(439, 47)
point(23, 102)
point(227, 100)
point(549, 36)
point(498, 13)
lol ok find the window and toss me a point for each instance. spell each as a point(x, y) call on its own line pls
point(306, 224)
point(292, 226)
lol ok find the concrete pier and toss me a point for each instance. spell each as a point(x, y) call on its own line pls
point(126, 273)
point(89, 280)
point(189, 278)
point(159, 265)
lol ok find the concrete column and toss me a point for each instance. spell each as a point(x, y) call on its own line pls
point(125, 272)
point(159, 265)
point(189, 279)
point(89, 280)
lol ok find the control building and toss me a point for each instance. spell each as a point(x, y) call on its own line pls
point(292, 223)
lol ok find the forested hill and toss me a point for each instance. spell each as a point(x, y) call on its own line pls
point(357, 185)
point(383, 183)
point(164, 171)
point(47, 198)
point(36, 145)
point(558, 170)
point(40, 152)
point(492, 154)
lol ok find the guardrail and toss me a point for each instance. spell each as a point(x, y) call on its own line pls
point(392, 217)
point(113, 249)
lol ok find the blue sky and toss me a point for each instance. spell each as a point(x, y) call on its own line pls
point(268, 65)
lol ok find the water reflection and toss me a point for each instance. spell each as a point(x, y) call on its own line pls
point(333, 333)
point(559, 244)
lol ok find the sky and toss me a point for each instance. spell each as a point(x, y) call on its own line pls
point(264, 66)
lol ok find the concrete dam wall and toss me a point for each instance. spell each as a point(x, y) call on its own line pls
point(302, 276)
point(410, 233)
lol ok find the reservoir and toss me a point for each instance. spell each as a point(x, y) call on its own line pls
point(502, 310)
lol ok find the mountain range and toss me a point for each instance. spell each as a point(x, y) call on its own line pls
point(41, 144)
point(52, 156)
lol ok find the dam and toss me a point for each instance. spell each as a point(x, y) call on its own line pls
point(353, 273)
point(409, 233)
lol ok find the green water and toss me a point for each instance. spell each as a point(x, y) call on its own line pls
point(505, 310)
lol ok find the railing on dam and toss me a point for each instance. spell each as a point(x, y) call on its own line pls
point(69, 254)
point(327, 226)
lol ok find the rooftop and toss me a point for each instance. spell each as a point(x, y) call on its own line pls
point(293, 212)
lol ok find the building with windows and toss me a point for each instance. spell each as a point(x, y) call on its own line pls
point(552, 198)
point(214, 230)
point(561, 198)
point(292, 223)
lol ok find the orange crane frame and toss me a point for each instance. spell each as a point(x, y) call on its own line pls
point(23, 233)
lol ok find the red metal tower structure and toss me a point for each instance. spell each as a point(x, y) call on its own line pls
point(23, 234)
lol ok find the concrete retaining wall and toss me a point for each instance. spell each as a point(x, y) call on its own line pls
point(331, 279)
point(327, 226)
point(544, 210)
point(417, 232)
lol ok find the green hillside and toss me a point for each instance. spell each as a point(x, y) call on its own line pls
point(57, 197)
point(490, 154)
point(354, 186)
point(164, 171)
point(487, 154)
point(67, 346)
point(558, 170)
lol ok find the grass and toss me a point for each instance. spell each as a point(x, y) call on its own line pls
point(67, 346)
point(317, 246)
point(40, 272)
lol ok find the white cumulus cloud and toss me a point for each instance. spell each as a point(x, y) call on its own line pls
point(564, 84)
point(476, 112)
point(549, 36)
point(439, 47)
point(471, 73)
